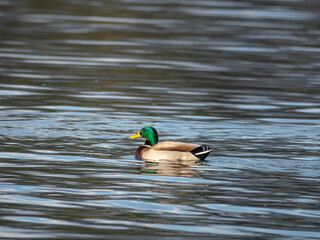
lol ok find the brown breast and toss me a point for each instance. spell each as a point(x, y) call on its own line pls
point(141, 150)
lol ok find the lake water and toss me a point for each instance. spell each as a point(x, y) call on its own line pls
point(77, 78)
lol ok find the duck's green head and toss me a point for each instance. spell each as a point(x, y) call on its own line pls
point(149, 133)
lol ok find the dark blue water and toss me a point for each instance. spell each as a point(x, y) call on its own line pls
point(77, 78)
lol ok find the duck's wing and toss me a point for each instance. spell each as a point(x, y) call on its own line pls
point(155, 155)
point(175, 146)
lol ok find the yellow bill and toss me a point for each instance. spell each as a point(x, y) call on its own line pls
point(137, 135)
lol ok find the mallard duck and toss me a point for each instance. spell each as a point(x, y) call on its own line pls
point(153, 150)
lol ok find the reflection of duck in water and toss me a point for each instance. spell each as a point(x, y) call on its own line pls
point(171, 168)
point(153, 150)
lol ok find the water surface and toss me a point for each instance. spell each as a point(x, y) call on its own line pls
point(79, 77)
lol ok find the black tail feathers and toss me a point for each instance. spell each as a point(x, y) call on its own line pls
point(201, 152)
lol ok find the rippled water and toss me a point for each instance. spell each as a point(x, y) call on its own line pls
point(79, 77)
